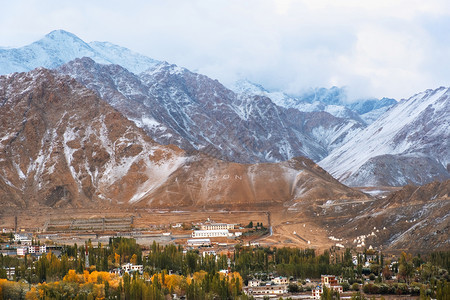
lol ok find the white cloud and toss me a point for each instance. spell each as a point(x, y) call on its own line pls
point(375, 48)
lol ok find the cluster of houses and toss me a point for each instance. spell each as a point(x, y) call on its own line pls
point(21, 251)
point(278, 287)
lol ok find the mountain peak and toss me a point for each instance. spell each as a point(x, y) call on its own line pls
point(60, 46)
point(60, 34)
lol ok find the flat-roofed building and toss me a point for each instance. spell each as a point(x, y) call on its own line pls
point(266, 290)
point(132, 268)
point(217, 226)
point(199, 242)
point(210, 233)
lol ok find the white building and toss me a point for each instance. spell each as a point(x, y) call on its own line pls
point(22, 238)
point(10, 272)
point(22, 251)
point(132, 268)
point(210, 233)
point(280, 280)
point(37, 249)
point(254, 282)
point(216, 226)
point(267, 290)
point(199, 242)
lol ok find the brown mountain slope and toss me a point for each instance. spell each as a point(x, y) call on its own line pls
point(206, 183)
point(62, 146)
point(415, 218)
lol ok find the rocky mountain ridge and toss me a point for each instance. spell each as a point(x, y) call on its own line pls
point(195, 112)
point(332, 100)
point(63, 146)
point(409, 144)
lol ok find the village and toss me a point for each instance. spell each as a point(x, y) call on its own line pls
point(216, 240)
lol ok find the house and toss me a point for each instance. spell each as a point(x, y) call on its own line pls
point(330, 282)
point(23, 238)
point(280, 280)
point(210, 252)
point(210, 233)
point(254, 282)
point(116, 271)
point(132, 268)
point(10, 272)
point(37, 249)
point(266, 290)
point(21, 251)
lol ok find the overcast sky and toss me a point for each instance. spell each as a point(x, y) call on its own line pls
point(374, 48)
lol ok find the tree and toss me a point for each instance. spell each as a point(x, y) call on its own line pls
point(293, 288)
point(133, 259)
point(406, 268)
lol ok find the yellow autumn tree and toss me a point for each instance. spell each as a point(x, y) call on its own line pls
point(32, 294)
point(200, 275)
point(71, 276)
point(117, 259)
point(86, 276)
point(133, 259)
point(173, 282)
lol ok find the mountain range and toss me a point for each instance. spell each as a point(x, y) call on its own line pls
point(97, 126)
point(363, 143)
point(63, 146)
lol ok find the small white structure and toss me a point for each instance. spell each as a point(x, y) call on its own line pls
point(199, 242)
point(210, 252)
point(10, 272)
point(132, 268)
point(210, 233)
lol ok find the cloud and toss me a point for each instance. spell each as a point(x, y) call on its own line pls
point(375, 48)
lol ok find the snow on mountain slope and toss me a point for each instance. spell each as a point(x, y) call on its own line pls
point(132, 61)
point(409, 143)
point(195, 112)
point(331, 100)
point(59, 47)
point(61, 145)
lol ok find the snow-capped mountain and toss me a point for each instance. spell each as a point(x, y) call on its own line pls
point(59, 47)
point(195, 112)
point(410, 143)
point(62, 146)
point(331, 100)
